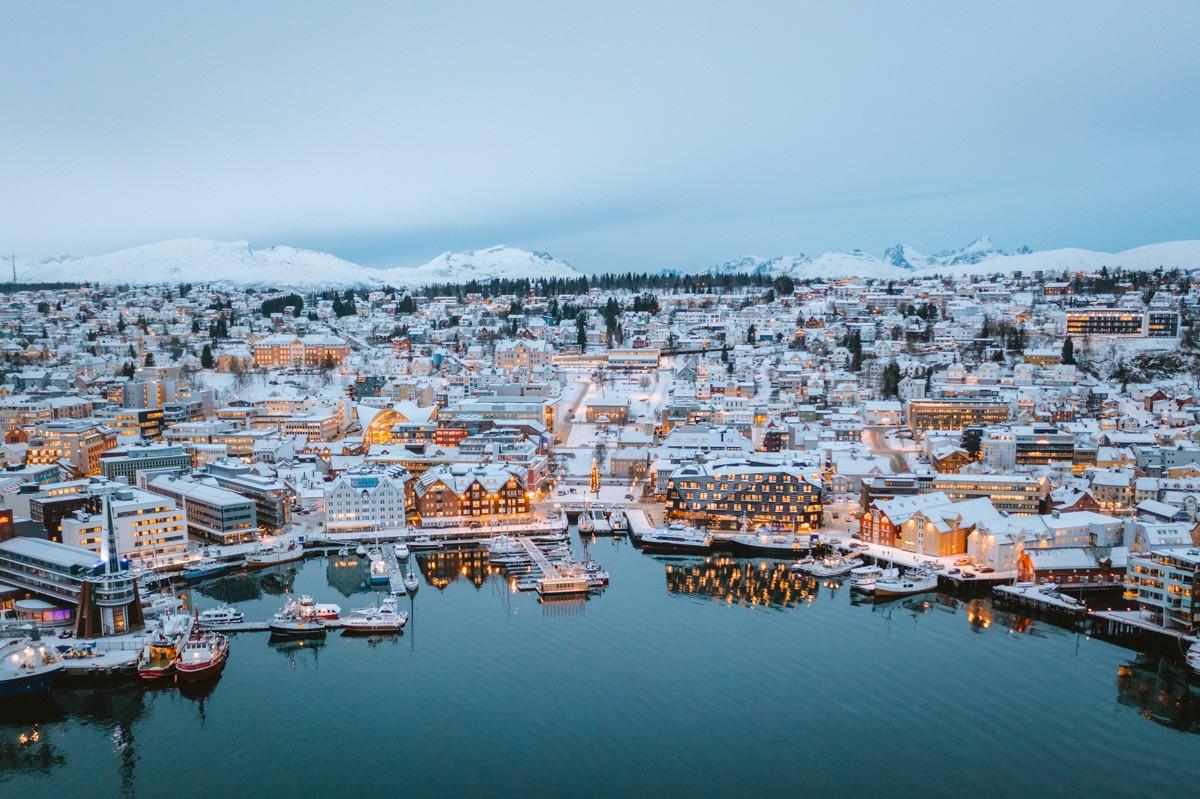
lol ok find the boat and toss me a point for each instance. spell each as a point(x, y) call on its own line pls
point(275, 555)
point(503, 546)
point(401, 550)
point(803, 564)
point(291, 623)
point(833, 566)
point(27, 666)
point(203, 656)
point(215, 617)
point(569, 581)
point(205, 569)
point(594, 520)
point(155, 605)
point(911, 581)
point(379, 569)
point(677, 537)
point(773, 543)
point(1193, 657)
point(862, 578)
point(307, 606)
point(381, 618)
point(619, 521)
point(158, 657)
point(361, 551)
point(423, 542)
point(411, 583)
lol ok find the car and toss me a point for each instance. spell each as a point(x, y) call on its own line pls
point(968, 575)
point(474, 525)
point(952, 571)
point(573, 491)
point(629, 496)
point(835, 514)
point(963, 562)
point(986, 570)
point(857, 545)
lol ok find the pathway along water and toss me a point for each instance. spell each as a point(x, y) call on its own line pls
point(687, 677)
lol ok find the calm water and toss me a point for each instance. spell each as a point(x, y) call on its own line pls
point(684, 678)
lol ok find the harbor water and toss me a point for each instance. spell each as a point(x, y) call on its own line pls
point(688, 676)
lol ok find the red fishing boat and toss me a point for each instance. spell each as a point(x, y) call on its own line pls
point(203, 656)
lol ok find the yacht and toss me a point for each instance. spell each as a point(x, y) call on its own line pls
point(1193, 657)
point(27, 666)
point(215, 617)
point(771, 542)
point(203, 656)
point(423, 542)
point(912, 581)
point(862, 578)
point(376, 619)
point(676, 537)
point(501, 546)
point(401, 550)
point(275, 555)
point(206, 568)
point(833, 566)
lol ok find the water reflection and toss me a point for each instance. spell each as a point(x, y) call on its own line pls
point(1160, 690)
point(761, 583)
point(247, 586)
point(302, 653)
point(347, 573)
point(442, 568)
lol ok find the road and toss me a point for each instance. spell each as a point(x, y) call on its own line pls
point(876, 441)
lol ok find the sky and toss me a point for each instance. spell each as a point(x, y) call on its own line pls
point(617, 136)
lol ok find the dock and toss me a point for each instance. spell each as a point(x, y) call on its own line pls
point(1045, 597)
point(548, 569)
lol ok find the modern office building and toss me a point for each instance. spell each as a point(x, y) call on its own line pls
point(212, 513)
point(146, 526)
point(272, 499)
point(125, 462)
point(954, 413)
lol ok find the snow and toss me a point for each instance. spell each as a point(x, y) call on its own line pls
point(204, 261)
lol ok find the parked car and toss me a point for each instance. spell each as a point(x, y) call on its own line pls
point(986, 570)
point(629, 496)
point(963, 562)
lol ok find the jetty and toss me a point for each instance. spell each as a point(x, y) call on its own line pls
point(1045, 597)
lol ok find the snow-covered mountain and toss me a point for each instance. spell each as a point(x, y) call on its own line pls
point(980, 256)
point(204, 261)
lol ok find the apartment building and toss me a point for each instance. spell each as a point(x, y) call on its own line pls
point(728, 494)
point(146, 526)
point(954, 413)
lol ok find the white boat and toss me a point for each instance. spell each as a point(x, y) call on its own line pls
point(27, 666)
point(274, 556)
point(309, 607)
point(401, 550)
point(291, 622)
point(833, 566)
point(1193, 657)
point(381, 618)
point(423, 542)
point(379, 569)
point(500, 546)
point(771, 543)
point(594, 520)
point(361, 551)
point(677, 537)
point(411, 583)
point(862, 578)
point(911, 581)
point(619, 521)
point(215, 617)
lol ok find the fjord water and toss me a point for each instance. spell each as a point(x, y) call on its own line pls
point(686, 677)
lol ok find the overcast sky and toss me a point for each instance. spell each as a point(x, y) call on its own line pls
point(614, 135)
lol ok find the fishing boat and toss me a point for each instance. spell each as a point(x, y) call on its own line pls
point(274, 556)
point(203, 656)
point(411, 583)
point(677, 537)
point(401, 550)
point(27, 666)
point(422, 543)
point(158, 657)
point(833, 566)
point(307, 606)
point(291, 623)
point(205, 569)
point(381, 618)
point(911, 581)
point(862, 578)
point(215, 617)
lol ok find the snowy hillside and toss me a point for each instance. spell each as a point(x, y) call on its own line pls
point(980, 256)
point(203, 261)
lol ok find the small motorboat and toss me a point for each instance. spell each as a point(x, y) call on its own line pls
point(618, 520)
point(361, 551)
point(1193, 657)
point(203, 656)
point(833, 566)
point(205, 569)
point(401, 550)
point(215, 617)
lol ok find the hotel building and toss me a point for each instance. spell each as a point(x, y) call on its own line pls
point(725, 494)
point(212, 513)
point(146, 526)
point(459, 491)
point(284, 350)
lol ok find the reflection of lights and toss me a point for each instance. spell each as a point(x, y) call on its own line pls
point(26, 738)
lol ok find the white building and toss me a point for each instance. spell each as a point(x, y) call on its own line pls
point(147, 527)
point(367, 499)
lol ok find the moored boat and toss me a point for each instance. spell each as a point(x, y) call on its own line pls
point(862, 578)
point(205, 569)
point(291, 623)
point(274, 556)
point(203, 656)
point(215, 617)
point(833, 566)
point(911, 581)
point(159, 656)
point(27, 666)
point(422, 543)
point(401, 550)
point(676, 537)
point(1193, 657)
point(381, 618)
point(411, 583)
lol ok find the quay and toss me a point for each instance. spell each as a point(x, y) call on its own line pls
point(1045, 598)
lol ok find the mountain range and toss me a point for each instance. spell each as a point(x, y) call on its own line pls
point(204, 261)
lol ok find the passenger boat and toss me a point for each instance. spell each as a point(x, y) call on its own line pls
point(291, 623)
point(411, 583)
point(203, 656)
point(274, 556)
point(401, 550)
point(159, 656)
point(376, 619)
point(422, 543)
point(563, 585)
point(833, 566)
point(215, 617)
point(676, 537)
point(862, 578)
point(911, 581)
point(27, 666)
point(206, 568)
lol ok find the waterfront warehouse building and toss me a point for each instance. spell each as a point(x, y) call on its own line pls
point(726, 494)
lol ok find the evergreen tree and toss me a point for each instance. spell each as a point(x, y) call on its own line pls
point(206, 357)
point(1068, 351)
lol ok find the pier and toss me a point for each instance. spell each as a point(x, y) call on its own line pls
point(1045, 598)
